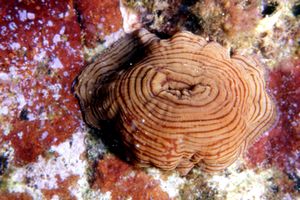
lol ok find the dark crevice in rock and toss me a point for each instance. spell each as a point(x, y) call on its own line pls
point(78, 15)
point(296, 9)
point(269, 8)
point(24, 114)
point(3, 164)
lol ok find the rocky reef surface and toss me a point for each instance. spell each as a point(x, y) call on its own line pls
point(47, 151)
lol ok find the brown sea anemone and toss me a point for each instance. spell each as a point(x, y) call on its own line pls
point(177, 102)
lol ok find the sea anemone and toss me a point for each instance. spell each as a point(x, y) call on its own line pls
point(177, 102)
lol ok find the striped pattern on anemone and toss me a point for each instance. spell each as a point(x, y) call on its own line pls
point(177, 102)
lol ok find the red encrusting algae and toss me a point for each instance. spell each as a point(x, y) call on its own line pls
point(281, 146)
point(64, 189)
point(14, 196)
point(98, 19)
point(41, 54)
point(125, 182)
